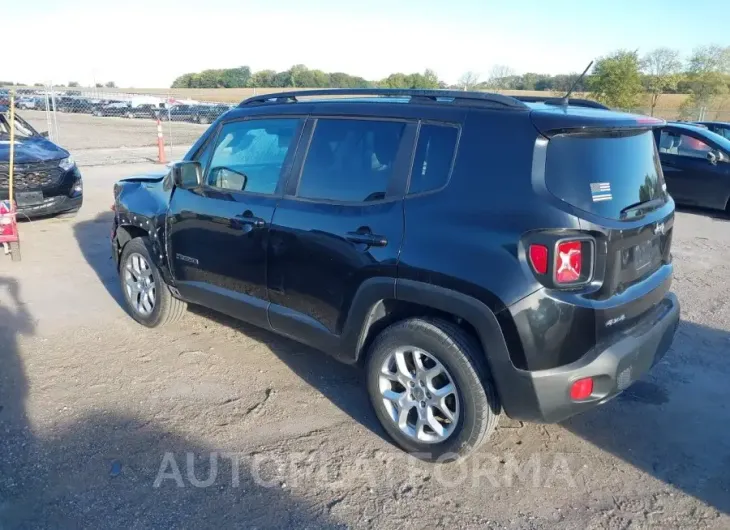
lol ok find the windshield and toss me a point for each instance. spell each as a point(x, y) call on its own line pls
point(22, 128)
point(607, 173)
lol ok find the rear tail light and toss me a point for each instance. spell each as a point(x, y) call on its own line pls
point(561, 262)
point(568, 261)
point(539, 258)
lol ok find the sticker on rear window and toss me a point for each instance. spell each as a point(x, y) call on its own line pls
point(601, 191)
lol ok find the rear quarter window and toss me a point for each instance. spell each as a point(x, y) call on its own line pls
point(603, 174)
point(434, 157)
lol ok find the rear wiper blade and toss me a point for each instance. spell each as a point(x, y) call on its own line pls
point(642, 206)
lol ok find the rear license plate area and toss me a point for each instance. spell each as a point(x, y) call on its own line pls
point(645, 255)
point(29, 198)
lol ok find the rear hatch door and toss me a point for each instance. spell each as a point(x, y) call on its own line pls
point(604, 168)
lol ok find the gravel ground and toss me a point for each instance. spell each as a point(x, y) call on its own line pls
point(104, 423)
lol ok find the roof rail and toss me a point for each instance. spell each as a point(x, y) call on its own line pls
point(415, 95)
point(552, 100)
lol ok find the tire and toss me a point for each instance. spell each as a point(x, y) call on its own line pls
point(15, 251)
point(167, 309)
point(474, 399)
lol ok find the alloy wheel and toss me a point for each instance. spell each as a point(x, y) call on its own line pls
point(139, 284)
point(419, 395)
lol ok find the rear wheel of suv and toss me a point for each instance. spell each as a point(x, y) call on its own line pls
point(430, 389)
point(148, 298)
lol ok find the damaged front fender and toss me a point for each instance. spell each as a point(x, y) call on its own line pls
point(140, 209)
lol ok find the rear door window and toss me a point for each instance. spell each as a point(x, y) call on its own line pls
point(604, 174)
point(350, 160)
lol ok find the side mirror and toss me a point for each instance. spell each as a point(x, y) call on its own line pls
point(187, 175)
point(44, 134)
point(713, 157)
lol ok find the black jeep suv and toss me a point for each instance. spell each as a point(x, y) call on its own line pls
point(476, 253)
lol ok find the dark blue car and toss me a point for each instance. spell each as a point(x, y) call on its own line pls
point(46, 179)
point(696, 165)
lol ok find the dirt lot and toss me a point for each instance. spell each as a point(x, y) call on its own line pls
point(212, 423)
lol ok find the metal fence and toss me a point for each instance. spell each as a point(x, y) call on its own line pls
point(79, 118)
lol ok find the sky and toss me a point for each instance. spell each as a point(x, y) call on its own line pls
point(148, 43)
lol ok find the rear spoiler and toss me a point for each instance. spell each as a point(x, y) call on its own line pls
point(551, 122)
point(551, 100)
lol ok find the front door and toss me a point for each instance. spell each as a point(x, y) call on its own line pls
point(690, 177)
point(342, 223)
point(218, 233)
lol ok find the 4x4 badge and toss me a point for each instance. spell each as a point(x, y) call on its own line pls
point(659, 229)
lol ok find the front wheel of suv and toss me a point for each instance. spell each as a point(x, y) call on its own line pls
point(148, 298)
point(431, 389)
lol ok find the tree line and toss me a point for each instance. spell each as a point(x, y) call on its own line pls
point(620, 79)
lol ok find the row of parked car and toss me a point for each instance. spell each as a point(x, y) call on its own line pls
point(203, 113)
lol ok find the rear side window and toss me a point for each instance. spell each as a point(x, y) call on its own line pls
point(434, 157)
point(350, 160)
point(604, 174)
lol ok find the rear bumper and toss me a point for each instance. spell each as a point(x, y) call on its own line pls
point(544, 395)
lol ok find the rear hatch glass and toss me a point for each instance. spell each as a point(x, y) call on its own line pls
point(607, 174)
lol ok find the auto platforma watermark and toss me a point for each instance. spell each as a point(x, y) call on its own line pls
point(319, 469)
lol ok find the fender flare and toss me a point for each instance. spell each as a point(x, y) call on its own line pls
point(512, 387)
point(123, 235)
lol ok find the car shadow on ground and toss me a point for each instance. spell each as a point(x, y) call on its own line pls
point(342, 384)
point(102, 469)
point(92, 236)
point(673, 424)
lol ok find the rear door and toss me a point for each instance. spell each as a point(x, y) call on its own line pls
point(340, 223)
point(218, 233)
point(691, 178)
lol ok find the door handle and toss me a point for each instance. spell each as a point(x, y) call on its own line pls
point(247, 218)
point(366, 238)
